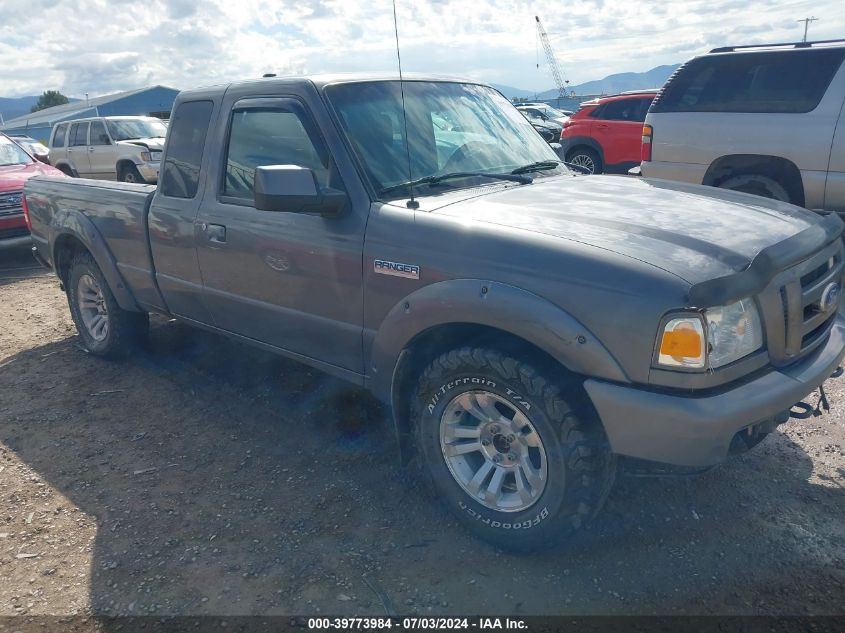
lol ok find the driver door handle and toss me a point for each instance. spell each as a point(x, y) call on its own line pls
point(216, 233)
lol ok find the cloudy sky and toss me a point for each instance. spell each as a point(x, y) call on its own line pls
point(102, 46)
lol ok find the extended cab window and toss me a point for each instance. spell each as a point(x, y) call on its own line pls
point(269, 136)
point(99, 136)
point(772, 81)
point(59, 136)
point(185, 145)
point(78, 134)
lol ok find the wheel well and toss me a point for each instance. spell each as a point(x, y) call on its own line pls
point(123, 162)
point(431, 343)
point(65, 168)
point(572, 150)
point(779, 169)
point(66, 248)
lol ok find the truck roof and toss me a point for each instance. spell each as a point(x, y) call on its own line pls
point(322, 80)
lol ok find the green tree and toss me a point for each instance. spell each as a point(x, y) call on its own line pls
point(48, 99)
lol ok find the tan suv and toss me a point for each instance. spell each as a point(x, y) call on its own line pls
point(766, 120)
point(126, 148)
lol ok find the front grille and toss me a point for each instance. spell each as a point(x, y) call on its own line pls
point(795, 322)
point(11, 203)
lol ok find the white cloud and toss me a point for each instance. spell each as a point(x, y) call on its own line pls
point(100, 46)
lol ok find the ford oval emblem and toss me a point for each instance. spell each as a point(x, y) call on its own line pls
point(830, 297)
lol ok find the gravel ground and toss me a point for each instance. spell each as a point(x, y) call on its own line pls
point(205, 477)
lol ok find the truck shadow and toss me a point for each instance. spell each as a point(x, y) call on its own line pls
point(17, 264)
point(224, 480)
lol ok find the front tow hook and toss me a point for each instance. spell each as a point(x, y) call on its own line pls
point(806, 410)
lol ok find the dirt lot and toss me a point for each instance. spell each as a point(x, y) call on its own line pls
point(205, 477)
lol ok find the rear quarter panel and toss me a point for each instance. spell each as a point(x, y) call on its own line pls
point(116, 213)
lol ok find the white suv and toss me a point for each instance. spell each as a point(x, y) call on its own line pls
point(125, 148)
point(766, 120)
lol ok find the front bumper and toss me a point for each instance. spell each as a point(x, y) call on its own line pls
point(149, 171)
point(697, 430)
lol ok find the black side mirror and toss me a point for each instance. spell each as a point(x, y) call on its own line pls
point(104, 139)
point(44, 158)
point(294, 189)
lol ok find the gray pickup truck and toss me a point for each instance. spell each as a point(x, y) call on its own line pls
point(526, 324)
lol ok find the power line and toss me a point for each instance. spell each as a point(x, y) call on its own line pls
point(806, 22)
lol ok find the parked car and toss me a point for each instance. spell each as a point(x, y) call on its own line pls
point(16, 167)
point(605, 134)
point(526, 324)
point(765, 120)
point(544, 112)
point(36, 148)
point(126, 148)
point(548, 129)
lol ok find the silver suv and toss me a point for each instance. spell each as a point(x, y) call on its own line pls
point(125, 148)
point(762, 119)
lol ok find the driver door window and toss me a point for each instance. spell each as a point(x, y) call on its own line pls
point(261, 137)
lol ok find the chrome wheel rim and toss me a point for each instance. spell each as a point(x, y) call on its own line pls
point(493, 451)
point(92, 307)
point(582, 160)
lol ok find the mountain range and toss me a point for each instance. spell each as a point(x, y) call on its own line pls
point(11, 107)
point(612, 84)
point(619, 82)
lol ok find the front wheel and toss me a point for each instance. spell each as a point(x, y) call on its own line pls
point(587, 159)
point(506, 452)
point(105, 328)
point(130, 173)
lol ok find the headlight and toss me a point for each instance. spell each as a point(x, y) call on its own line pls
point(733, 331)
point(151, 155)
point(711, 339)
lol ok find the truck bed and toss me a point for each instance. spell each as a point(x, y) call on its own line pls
point(118, 213)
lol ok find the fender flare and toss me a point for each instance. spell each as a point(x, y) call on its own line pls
point(74, 223)
point(493, 304)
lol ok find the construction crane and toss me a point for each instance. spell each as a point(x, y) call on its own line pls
point(560, 82)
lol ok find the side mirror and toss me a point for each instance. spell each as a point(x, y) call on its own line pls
point(104, 139)
point(44, 158)
point(294, 189)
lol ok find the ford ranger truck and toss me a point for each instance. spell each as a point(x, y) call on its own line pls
point(527, 325)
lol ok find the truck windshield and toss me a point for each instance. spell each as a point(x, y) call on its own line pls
point(453, 129)
point(12, 154)
point(127, 129)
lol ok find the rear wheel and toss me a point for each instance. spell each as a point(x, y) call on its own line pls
point(758, 185)
point(105, 328)
point(506, 452)
point(130, 173)
point(587, 158)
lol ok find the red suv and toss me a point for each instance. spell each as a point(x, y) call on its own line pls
point(605, 135)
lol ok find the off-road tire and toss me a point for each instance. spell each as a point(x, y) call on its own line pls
point(586, 156)
point(758, 185)
point(581, 467)
point(125, 328)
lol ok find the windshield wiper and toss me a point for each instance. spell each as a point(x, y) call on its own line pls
point(433, 180)
point(538, 166)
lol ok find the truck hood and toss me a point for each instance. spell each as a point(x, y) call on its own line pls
point(149, 143)
point(695, 232)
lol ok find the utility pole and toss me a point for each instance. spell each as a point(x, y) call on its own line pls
point(806, 22)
